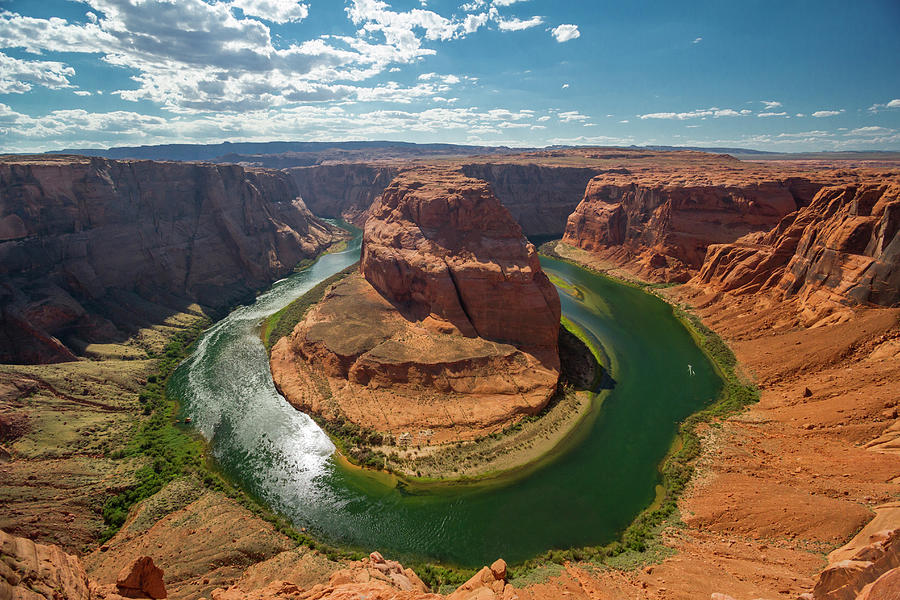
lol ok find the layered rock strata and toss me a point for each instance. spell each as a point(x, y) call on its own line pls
point(345, 190)
point(90, 248)
point(842, 250)
point(451, 328)
point(666, 227)
point(441, 245)
point(539, 197)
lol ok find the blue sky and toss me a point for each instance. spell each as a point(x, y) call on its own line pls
point(774, 75)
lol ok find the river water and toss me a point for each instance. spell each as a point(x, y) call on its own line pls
point(585, 495)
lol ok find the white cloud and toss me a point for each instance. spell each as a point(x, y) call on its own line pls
point(565, 86)
point(514, 24)
point(827, 113)
point(871, 130)
point(572, 116)
point(198, 56)
point(772, 114)
point(78, 128)
point(895, 103)
point(565, 32)
point(277, 11)
point(771, 104)
point(82, 93)
point(698, 114)
point(505, 2)
point(697, 40)
point(19, 76)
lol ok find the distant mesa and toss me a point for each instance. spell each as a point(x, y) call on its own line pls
point(451, 327)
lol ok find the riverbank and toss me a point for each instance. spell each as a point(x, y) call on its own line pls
point(505, 453)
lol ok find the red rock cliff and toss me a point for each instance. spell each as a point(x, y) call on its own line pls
point(441, 244)
point(666, 221)
point(342, 190)
point(90, 247)
point(539, 197)
point(841, 250)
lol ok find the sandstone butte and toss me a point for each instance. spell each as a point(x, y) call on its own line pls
point(91, 248)
point(450, 329)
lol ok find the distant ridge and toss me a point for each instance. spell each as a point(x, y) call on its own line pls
point(211, 152)
point(281, 154)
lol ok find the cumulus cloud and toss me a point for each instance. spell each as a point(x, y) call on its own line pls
point(772, 114)
point(572, 116)
point(19, 76)
point(827, 113)
point(870, 131)
point(771, 104)
point(514, 24)
point(697, 40)
point(697, 114)
point(895, 103)
point(277, 11)
point(565, 32)
point(78, 128)
point(198, 56)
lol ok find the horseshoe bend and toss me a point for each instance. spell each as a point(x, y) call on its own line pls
point(449, 331)
point(452, 354)
point(436, 300)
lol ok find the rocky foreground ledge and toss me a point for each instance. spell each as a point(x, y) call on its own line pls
point(449, 333)
point(30, 571)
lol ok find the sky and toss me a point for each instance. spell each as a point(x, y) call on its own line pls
point(785, 75)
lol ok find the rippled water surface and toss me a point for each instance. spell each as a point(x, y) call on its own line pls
point(584, 496)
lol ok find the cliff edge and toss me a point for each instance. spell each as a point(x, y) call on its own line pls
point(92, 248)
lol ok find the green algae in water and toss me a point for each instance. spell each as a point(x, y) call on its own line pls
point(584, 495)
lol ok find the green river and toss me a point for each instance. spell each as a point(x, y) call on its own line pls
point(583, 496)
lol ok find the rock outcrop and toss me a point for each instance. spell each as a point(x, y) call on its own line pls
point(665, 225)
point(441, 246)
point(868, 567)
point(451, 329)
point(344, 190)
point(141, 578)
point(37, 571)
point(841, 250)
point(89, 247)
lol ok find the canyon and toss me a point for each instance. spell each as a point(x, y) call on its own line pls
point(795, 265)
point(450, 328)
point(91, 249)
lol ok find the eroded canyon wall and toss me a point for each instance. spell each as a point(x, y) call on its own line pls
point(90, 247)
point(539, 197)
point(841, 250)
point(342, 191)
point(665, 226)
